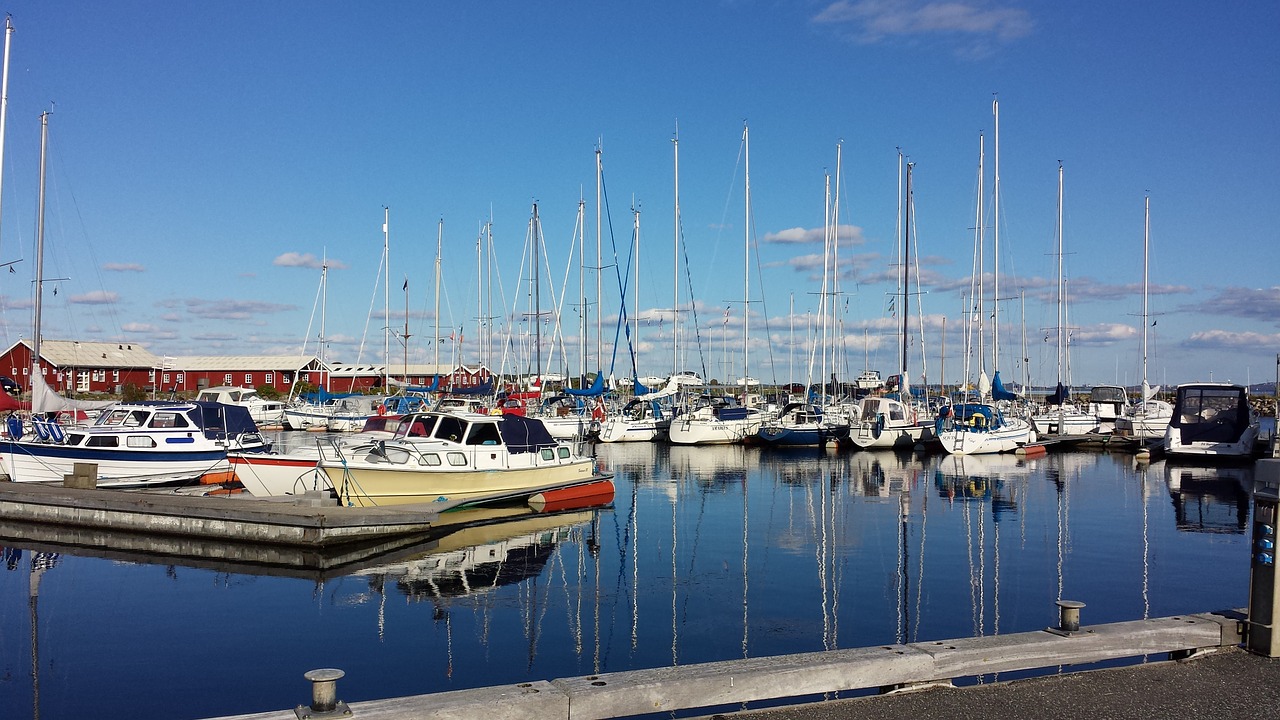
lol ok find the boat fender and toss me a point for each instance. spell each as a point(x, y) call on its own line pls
point(14, 424)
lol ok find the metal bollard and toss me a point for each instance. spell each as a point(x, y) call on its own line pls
point(324, 695)
point(1069, 615)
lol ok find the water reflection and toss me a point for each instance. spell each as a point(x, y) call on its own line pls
point(1210, 499)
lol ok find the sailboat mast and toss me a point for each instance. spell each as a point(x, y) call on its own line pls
point(995, 269)
point(746, 275)
point(599, 269)
point(436, 342)
point(4, 96)
point(906, 282)
point(1146, 243)
point(1061, 287)
point(537, 294)
point(675, 261)
point(39, 302)
point(386, 302)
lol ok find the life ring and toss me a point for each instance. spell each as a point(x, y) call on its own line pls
point(15, 427)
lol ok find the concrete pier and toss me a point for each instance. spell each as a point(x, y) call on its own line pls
point(735, 682)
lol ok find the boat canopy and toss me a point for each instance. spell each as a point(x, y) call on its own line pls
point(523, 434)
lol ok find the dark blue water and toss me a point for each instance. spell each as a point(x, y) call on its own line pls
point(707, 554)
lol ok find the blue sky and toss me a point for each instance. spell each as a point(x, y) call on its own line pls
point(204, 156)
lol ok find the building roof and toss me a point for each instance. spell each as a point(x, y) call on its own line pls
point(85, 354)
point(259, 363)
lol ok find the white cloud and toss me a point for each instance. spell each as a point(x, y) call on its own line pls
point(978, 22)
point(97, 297)
point(1227, 340)
point(306, 260)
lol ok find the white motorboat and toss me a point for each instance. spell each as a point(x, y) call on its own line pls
point(455, 457)
point(1211, 421)
point(134, 444)
point(263, 411)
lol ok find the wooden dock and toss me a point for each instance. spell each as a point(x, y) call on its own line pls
point(734, 682)
point(218, 518)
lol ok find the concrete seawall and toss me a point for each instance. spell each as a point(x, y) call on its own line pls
point(734, 682)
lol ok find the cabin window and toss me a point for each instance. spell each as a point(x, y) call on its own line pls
point(226, 379)
point(422, 426)
point(168, 420)
point(484, 434)
point(430, 460)
point(457, 459)
point(139, 441)
point(103, 441)
point(564, 453)
point(450, 428)
point(548, 454)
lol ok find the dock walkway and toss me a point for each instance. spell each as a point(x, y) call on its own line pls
point(1221, 681)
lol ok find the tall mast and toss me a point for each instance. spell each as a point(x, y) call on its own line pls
point(537, 293)
point(1146, 243)
point(675, 264)
point(4, 95)
point(906, 280)
point(599, 271)
point(995, 269)
point(35, 342)
point(386, 303)
point(1061, 286)
point(746, 275)
point(436, 343)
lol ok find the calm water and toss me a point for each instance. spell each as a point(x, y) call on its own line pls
point(707, 554)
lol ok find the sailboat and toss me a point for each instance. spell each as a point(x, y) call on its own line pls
point(1148, 418)
point(816, 422)
point(718, 420)
point(1061, 417)
point(979, 426)
point(891, 421)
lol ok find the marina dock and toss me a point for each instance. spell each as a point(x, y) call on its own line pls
point(221, 518)
point(804, 678)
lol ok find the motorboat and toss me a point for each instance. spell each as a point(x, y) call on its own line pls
point(455, 457)
point(133, 444)
point(264, 412)
point(1211, 421)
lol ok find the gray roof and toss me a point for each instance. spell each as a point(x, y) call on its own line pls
point(84, 354)
point(260, 363)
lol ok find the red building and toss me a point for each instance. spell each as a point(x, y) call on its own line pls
point(74, 366)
